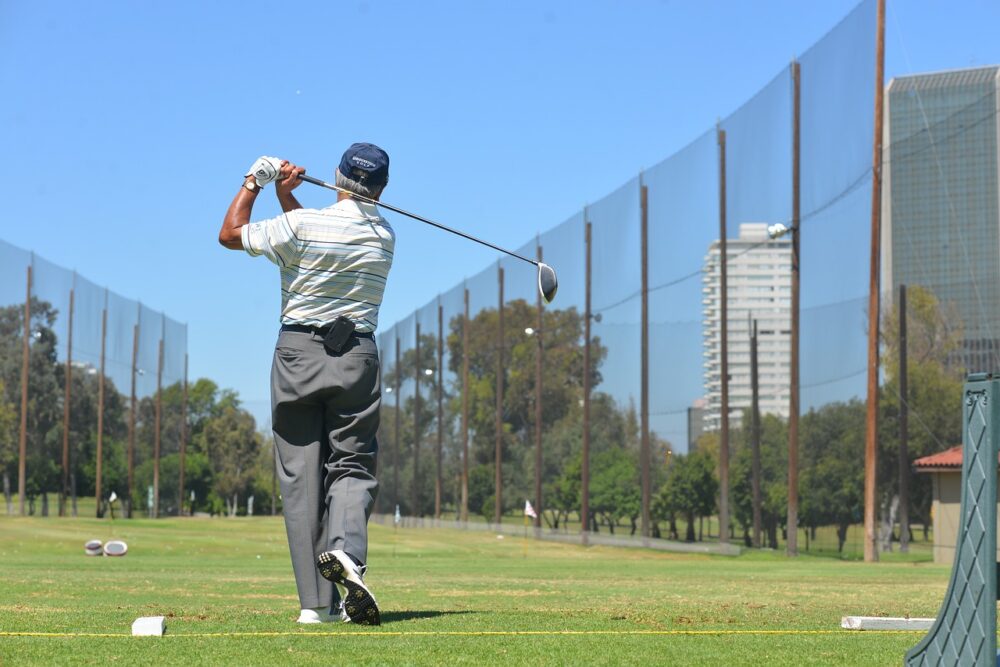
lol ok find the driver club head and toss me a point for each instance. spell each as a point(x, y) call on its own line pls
point(548, 283)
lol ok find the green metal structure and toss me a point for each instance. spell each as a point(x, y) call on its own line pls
point(965, 632)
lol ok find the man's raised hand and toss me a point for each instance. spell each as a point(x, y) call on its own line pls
point(288, 178)
point(265, 170)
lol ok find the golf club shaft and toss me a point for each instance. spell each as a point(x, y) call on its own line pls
point(323, 184)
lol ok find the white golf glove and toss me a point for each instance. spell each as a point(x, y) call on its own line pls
point(265, 170)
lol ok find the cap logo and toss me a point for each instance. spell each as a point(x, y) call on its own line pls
point(363, 162)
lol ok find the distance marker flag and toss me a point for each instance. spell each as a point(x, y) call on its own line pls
point(398, 517)
point(529, 510)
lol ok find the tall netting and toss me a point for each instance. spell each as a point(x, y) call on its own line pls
point(388, 437)
point(453, 316)
point(88, 347)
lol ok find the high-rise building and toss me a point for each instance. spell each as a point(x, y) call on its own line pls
point(696, 423)
point(940, 203)
point(759, 282)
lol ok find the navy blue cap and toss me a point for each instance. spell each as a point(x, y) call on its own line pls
point(366, 163)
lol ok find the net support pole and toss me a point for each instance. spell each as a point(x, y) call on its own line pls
point(183, 444)
point(22, 438)
point(67, 398)
point(157, 423)
point(417, 408)
point(464, 512)
point(587, 315)
point(645, 461)
point(904, 432)
point(871, 420)
point(723, 349)
point(99, 463)
point(539, 351)
point(792, 521)
point(133, 409)
point(498, 454)
point(440, 412)
point(755, 439)
point(398, 434)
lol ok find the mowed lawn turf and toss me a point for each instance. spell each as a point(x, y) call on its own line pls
point(226, 588)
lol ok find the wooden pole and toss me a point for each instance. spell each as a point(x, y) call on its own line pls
point(399, 436)
point(98, 491)
point(438, 481)
point(871, 423)
point(67, 398)
point(22, 442)
point(904, 432)
point(417, 372)
point(645, 459)
point(539, 351)
point(585, 467)
point(792, 520)
point(498, 454)
point(465, 411)
point(184, 416)
point(755, 438)
point(157, 421)
point(723, 348)
point(133, 409)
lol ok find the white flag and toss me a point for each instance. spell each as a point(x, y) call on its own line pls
point(398, 517)
point(529, 510)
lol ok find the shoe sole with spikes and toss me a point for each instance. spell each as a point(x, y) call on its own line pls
point(359, 603)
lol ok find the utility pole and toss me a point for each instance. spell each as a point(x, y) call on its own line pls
point(724, 348)
point(22, 442)
point(871, 422)
point(399, 435)
point(792, 521)
point(184, 417)
point(464, 513)
point(67, 399)
point(904, 434)
point(158, 421)
point(100, 410)
point(133, 409)
point(417, 372)
point(440, 411)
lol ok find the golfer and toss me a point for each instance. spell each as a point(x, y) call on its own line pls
point(325, 384)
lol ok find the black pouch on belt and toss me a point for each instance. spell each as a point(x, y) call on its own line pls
point(338, 335)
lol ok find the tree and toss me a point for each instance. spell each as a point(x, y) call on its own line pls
point(615, 487)
point(231, 441)
point(690, 488)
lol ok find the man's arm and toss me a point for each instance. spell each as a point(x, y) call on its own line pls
point(288, 181)
point(237, 216)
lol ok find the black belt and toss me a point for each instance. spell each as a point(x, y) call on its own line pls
point(322, 331)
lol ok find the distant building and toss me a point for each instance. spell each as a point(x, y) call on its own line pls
point(696, 423)
point(759, 280)
point(940, 221)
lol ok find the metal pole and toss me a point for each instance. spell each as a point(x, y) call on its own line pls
point(498, 454)
point(465, 411)
point(755, 438)
point(792, 522)
point(538, 402)
point(871, 424)
point(133, 409)
point(440, 412)
point(644, 455)
point(184, 416)
point(415, 489)
point(904, 435)
point(22, 442)
point(100, 410)
point(68, 395)
point(724, 348)
point(158, 419)
point(585, 467)
point(399, 437)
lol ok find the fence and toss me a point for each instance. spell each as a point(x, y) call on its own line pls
point(580, 406)
point(94, 392)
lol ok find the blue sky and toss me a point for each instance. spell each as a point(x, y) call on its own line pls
point(126, 126)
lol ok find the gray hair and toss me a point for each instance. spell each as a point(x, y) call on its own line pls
point(349, 184)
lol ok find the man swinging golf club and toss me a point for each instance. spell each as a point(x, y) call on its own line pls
point(325, 385)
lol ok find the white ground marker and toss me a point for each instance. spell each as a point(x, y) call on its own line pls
point(885, 623)
point(149, 626)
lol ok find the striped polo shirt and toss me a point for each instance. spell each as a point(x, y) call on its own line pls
point(334, 261)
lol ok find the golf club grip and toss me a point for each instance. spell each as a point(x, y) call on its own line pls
point(323, 184)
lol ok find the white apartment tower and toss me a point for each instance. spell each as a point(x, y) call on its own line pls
point(760, 287)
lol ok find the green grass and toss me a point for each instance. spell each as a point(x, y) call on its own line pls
point(234, 576)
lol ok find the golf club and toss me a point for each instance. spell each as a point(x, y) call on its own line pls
point(548, 284)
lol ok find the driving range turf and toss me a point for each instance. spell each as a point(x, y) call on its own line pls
point(447, 596)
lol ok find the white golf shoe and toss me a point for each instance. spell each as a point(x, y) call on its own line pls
point(323, 615)
point(359, 603)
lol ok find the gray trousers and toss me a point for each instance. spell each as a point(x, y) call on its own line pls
point(325, 414)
